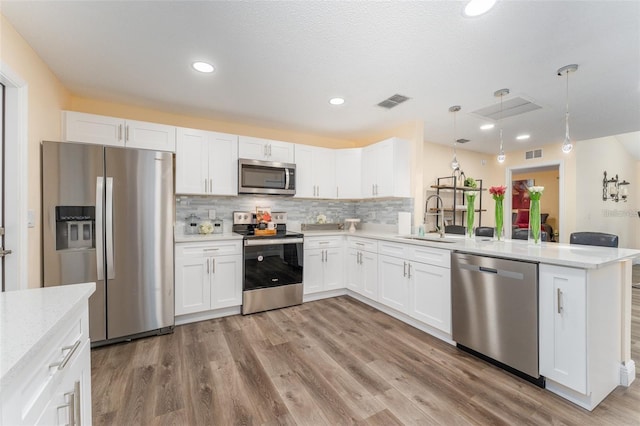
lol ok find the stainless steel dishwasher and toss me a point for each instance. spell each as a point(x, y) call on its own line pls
point(495, 311)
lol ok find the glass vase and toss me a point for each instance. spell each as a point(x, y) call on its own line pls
point(534, 221)
point(499, 219)
point(470, 214)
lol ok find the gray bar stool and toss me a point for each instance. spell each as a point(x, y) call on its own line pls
point(455, 229)
point(594, 239)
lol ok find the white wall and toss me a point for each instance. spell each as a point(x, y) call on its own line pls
point(592, 213)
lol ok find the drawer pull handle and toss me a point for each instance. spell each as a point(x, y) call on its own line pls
point(324, 242)
point(67, 357)
point(359, 244)
point(211, 249)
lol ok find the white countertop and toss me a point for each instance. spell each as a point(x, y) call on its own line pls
point(29, 317)
point(576, 256)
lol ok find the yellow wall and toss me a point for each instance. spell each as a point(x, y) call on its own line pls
point(436, 160)
point(46, 98)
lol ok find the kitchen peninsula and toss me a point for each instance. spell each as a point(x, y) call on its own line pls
point(584, 295)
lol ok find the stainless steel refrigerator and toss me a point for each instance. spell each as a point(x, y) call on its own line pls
point(107, 217)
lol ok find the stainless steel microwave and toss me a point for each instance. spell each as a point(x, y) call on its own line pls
point(266, 177)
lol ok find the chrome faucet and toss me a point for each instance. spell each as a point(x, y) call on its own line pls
point(439, 211)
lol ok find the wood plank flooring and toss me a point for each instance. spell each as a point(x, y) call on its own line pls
point(331, 362)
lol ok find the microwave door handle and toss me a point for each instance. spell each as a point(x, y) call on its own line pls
point(99, 226)
point(286, 178)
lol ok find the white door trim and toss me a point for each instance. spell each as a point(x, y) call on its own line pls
point(16, 181)
point(521, 168)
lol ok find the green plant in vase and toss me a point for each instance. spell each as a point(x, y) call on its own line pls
point(471, 200)
point(535, 192)
point(471, 211)
point(498, 195)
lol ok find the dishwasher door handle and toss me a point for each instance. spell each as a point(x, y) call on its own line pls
point(490, 270)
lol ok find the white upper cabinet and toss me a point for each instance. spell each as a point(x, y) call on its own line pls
point(265, 150)
point(112, 131)
point(315, 172)
point(348, 173)
point(206, 163)
point(385, 170)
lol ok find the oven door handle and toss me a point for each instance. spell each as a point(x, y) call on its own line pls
point(273, 241)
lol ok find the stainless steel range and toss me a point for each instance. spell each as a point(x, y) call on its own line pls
point(272, 273)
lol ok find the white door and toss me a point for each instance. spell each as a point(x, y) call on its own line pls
point(312, 274)
point(2, 187)
point(354, 281)
point(192, 283)
point(369, 274)
point(333, 268)
point(192, 162)
point(430, 295)
point(305, 185)
point(226, 286)
point(393, 282)
point(223, 164)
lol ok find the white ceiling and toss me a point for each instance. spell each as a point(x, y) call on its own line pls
point(278, 63)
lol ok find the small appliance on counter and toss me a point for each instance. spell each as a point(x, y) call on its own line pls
point(217, 226)
point(192, 224)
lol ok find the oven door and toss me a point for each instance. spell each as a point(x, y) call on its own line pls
point(272, 262)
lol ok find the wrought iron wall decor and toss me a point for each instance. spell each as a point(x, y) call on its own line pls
point(614, 189)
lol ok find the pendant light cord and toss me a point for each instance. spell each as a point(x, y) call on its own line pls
point(566, 135)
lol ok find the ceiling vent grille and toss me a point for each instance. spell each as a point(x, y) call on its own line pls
point(393, 101)
point(530, 155)
point(511, 107)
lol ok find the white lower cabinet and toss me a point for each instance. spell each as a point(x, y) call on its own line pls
point(563, 326)
point(580, 311)
point(55, 388)
point(323, 264)
point(430, 295)
point(394, 282)
point(416, 281)
point(207, 276)
point(362, 272)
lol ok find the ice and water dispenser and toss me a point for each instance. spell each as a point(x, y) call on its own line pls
point(75, 227)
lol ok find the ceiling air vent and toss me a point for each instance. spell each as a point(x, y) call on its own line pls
point(510, 107)
point(393, 101)
point(530, 155)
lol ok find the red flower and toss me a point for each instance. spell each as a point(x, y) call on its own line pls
point(497, 190)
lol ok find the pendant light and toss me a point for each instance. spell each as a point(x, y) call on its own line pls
point(501, 93)
point(454, 163)
point(567, 146)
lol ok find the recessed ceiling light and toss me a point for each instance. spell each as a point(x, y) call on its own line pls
point(202, 67)
point(487, 126)
point(478, 7)
point(336, 101)
point(523, 137)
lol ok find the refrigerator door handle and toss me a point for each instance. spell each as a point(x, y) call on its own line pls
point(99, 226)
point(111, 271)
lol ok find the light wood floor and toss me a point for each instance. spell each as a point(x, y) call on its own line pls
point(335, 361)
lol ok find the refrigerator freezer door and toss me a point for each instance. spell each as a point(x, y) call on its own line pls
point(140, 293)
point(70, 174)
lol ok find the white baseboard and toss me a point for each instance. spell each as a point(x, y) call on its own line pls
point(324, 295)
point(627, 373)
point(207, 315)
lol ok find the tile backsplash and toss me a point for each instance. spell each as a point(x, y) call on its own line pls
point(378, 211)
